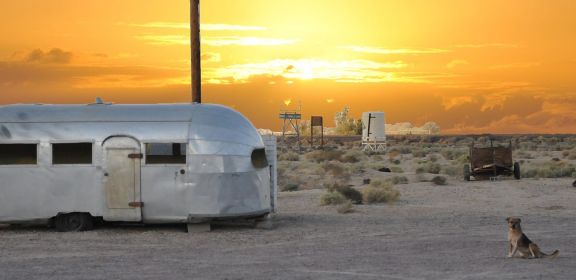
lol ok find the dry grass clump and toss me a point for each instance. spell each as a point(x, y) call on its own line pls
point(289, 156)
point(349, 192)
point(352, 156)
point(396, 169)
point(379, 192)
point(452, 170)
point(430, 167)
point(552, 169)
point(439, 180)
point(345, 207)
point(396, 180)
point(332, 198)
point(453, 153)
point(420, 153)
point(337, 170)
point(569, 154)
point(324, 155)
point(290, 187)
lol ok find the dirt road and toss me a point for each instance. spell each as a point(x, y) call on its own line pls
point(434, 232)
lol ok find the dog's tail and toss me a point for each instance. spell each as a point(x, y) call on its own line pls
point(553, 255)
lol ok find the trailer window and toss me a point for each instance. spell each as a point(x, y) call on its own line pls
point(259, 159)
point(165, 153)
point(15, 154)
point(72, 153)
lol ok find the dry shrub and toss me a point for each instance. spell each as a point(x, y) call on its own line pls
point(452, 170)
point(396, 169)
point(347, 191)
point(396, 180)
point(332, 198)
point(289, 187)
point(419, 153)
point(377, 157)
point(289, 156)
point(324, 155)
point(430, 167)
point(345, 207)
point(338, 170)
point(552, 169)
point(570, 154)
point(379, 192)
point(453, 153)
point(439, 180)
point(352, 156)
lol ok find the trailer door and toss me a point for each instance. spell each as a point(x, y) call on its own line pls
point(122, 179)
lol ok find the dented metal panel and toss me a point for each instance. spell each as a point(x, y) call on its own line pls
point(218, 179)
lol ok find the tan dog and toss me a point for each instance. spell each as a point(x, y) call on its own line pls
point(519, 242)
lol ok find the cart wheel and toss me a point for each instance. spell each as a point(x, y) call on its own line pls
point(517, 171)
point(467, 172)
point(73, 222)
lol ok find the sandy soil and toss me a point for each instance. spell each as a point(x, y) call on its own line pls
point(434, 232)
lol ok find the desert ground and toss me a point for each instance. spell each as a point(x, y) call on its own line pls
point(455, 230)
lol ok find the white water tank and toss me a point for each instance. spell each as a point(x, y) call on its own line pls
point(373, 127)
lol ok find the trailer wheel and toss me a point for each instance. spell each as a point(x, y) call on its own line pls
point(517, 171)
point(73, 222)
point(467, 172)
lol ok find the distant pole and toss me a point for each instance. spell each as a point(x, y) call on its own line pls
point(196, 70)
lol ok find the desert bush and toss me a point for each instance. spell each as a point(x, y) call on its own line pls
point(324, 155)
point(570, 154)
point(419, 153)
point(345, 207)
point(451, 154)
point(377, 157)
point(421, 178)
point(439, 180)
point(463, 158)
point(552, 169)
point(452, 170)
point(289, 156)
point(396, 180)
point(429, 167)
point(336, 169)
point(352, 156)
point(349, 192)
point(396, 169)
point(378, 192)
point(433, 158)
point(289, 187)
point(332, 198)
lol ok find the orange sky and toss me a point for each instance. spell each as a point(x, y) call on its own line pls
point(490, 66)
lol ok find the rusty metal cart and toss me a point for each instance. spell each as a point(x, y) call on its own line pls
point(491, 162)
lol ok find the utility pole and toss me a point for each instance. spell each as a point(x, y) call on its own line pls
point(196, 79)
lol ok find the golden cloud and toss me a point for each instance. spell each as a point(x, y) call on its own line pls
point(307, 69)
point(203, 26)
point(378, 50)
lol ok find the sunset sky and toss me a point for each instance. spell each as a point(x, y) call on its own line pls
point(490, 66)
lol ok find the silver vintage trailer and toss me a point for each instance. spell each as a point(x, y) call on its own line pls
point(173, 163)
